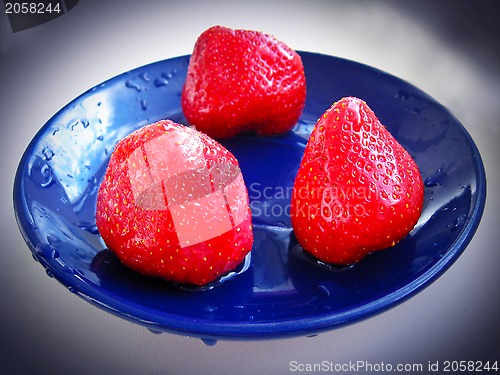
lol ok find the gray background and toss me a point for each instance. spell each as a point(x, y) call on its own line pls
point(450, 49)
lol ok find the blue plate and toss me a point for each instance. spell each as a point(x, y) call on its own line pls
point(282, 292)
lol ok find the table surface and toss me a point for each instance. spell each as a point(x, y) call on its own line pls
point(448, 49)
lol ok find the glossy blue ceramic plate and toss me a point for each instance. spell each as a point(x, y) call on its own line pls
point(281, 292)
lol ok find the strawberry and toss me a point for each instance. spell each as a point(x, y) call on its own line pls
point(243, 81)
point(357, 189)
point(173, 205)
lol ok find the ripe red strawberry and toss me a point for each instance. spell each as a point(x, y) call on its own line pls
point(357, 189)
point(243, 80)
point(173, 204)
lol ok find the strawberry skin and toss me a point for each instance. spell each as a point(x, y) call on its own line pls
point(357, 189)
point(173, 205)
point(243, 81)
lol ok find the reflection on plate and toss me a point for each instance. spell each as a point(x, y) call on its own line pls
point(282, 292)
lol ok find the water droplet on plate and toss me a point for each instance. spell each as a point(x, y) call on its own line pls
point(459, 222)
point(154, 331)
point(403, 95)
point(214, 308)
point(169, 75)
point(159, 82)
point(133, 85)
point(52, 240)
point(48, 153)
point(414, 110)
point(438, 178)
point(209, 342)
point(322, 289)
point(46, 172)
point(89, 227)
